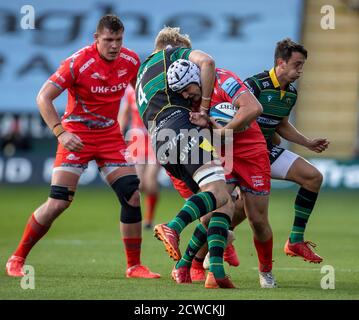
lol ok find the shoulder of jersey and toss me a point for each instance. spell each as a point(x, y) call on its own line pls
point(262, 76)
point(224, 72)
point(81, 55)
point(126, 53)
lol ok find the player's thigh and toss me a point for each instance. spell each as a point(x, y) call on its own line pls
point(302, 171)
point(281, 161)
point(69, 166)
point(118, 172)
point(210, 177)
point(65, 178)
point(112, 158)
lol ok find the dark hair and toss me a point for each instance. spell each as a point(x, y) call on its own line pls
point(286, 47)
point(111, 22)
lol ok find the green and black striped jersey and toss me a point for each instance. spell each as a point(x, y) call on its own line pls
point(276, 103)
point(152, 92)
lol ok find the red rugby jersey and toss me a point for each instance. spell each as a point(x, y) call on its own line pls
point(95, 87)
point(227, 88)
point(136, 120)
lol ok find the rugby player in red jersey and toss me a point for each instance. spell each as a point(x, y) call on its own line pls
point(95, 77)
point(147, 167)
point(251, 167)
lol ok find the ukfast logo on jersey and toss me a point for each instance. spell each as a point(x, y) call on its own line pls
point(269, 98)
point(109, 89)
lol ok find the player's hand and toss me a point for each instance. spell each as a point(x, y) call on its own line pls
point(218, 129)
point(71, 141)
point(318, 145)
point(200, 119)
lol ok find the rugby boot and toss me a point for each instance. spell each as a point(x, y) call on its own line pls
point(304, 250)
point(170, 239)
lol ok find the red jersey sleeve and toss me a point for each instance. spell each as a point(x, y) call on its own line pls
point(65, 75)
point(134, 66)
point(229, 86)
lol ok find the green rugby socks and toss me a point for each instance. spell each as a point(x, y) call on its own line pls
point(217, 241)
point(304, 204)
point(195, 207)
point(198, 239)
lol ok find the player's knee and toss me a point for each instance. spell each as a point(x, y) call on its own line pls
point(220, 193)
point(228, 209)
point(318, 179)
point(259, 224)
point(126, 189)
point(224, 199)
point(130, 214)
point(205, 219)
point(135, 199)
point(314, 180)
point(239, 214)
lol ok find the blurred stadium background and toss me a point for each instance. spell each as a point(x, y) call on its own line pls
point(240, 35)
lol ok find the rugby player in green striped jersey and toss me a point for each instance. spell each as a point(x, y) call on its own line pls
point(276, 93)
point(164, 111)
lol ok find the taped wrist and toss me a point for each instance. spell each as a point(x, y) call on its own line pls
point(58, 129)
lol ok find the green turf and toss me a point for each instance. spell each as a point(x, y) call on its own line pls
point(82, 255)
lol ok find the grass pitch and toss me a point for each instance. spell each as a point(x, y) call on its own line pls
point(82, 255)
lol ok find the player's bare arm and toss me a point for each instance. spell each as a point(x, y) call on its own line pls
point(290, 133)
point(47, 94)
point(208, 75)
point(249, 109)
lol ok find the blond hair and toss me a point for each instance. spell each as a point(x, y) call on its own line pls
point(173, 37)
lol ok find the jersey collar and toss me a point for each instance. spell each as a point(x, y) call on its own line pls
point(274, 78)
point(275, 82)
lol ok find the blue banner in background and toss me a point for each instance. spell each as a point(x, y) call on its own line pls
point(36, 170)
point(240, 35)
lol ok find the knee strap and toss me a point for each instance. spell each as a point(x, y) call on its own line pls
point(130, 214)
point(124, 188)
point(61, 193)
